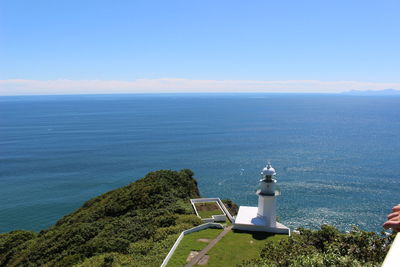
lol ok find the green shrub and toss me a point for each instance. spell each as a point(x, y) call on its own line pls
point(144, 211)
point(10, 242)
point(326, 247)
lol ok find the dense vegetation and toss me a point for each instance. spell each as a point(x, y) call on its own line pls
point(134, 225)
point(325, 247)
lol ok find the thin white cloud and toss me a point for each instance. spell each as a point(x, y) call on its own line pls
point(175, 85)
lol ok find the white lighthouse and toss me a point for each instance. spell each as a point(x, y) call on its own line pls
point(263, 217)
point(267, 196)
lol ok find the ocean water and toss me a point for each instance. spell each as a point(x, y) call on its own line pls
point(337, 156)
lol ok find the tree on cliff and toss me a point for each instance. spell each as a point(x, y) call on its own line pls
point(136, 224)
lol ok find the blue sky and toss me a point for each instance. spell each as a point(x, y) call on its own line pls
point(124, 46)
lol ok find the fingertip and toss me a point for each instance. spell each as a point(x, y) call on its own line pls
point(396, 208)
point(392, 215)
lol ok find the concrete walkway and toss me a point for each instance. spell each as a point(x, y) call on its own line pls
point(210, 245)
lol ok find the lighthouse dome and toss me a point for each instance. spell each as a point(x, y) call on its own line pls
point(268, 170)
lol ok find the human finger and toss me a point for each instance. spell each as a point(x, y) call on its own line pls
point(396, 208)
point(395, 225)
point(393, 215)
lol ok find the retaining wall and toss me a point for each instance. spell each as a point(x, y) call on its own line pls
point(215, 199)
point(219, 218)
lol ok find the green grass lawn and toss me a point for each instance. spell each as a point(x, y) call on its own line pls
point(236, 247)
point(207, 209)
point(208, 213)
point(189, 243)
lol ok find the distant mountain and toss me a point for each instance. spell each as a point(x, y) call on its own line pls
point(373, 92)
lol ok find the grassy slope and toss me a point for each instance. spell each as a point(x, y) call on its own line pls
point(236, 247)
point(189, 243)
point(136, 224)
point(232, 249)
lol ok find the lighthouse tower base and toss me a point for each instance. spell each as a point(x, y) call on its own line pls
point(248, 220)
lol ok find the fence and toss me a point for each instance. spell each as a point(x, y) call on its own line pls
point(191, 230)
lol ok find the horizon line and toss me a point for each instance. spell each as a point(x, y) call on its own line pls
point(345, 93)
point(16, 87)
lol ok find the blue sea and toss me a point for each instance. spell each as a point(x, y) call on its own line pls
point(337, 156)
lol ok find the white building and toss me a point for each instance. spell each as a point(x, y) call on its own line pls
point(263, 217)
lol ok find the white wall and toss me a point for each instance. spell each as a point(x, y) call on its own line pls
point(191, 230)
point(215, 199)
